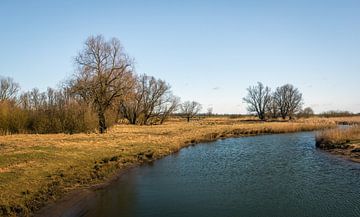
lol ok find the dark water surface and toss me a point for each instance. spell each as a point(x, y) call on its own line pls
point(271, 175)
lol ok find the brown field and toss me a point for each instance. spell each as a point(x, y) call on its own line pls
point(36, 169)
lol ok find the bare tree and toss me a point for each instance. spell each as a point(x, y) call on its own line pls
point(258, 99)
point(272, 109)
point(104, 74)
point(190, 109)
point(306, 113)
point(167, 108)
point(54, 111)
point(150, 99)
point(130, 106)
point(209, 111)
point(155, 91)
point(288, 99)
point(8, 89)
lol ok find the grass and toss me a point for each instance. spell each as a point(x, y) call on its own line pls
point(343, 142)
point(36, 169)
point(339, 138)
point(352, 120)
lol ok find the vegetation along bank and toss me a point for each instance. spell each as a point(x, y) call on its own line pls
point(344, 141)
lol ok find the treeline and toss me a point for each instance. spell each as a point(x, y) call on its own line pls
point(53, 111)
point(104, 89)
point(284, 102)
point(337, 113)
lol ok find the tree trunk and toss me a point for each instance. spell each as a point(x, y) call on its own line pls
point(102, 122)
point(262, 117)
point(188, 119)
point(133, 119)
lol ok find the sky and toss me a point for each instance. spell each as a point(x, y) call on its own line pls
point(208, 51)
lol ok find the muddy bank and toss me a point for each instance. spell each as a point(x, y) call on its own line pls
point(345, 150)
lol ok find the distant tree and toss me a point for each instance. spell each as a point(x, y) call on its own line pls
point(156, 96)
point(104, 74)
point(209, 111)
point(288, 99)
point(168, 107)
point(336, 113)
point(190, 109)
point(258, 99)
point(306, 113)
point(8, 89)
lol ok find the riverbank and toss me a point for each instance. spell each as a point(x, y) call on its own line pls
point(343, 142)
point(38, 169)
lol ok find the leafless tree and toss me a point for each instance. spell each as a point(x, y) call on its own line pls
point(24, 101)
point(288, 99)
point(190, 109)
point(336, 113)
point(53, 111)
point(272, 109)
point(306, 113)
point(150, 99)
point(168, 107)
point(258, 99)
point(209, 111)
point(8, 89)
point(155, 91)
point(104, 74)
point(130, 106)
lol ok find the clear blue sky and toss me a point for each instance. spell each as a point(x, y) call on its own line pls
point(209, 51)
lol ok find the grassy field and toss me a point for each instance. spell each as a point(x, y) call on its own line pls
point(36, 169)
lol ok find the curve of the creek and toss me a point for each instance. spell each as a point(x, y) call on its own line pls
point(267, 175)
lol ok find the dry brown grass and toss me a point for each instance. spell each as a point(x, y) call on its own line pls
point(338, 138)
point(37, 168)
point(353, 120)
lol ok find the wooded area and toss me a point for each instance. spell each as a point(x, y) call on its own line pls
point(104, 88)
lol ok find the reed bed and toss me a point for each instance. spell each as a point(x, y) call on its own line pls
point(338, 138)
point(352, 120)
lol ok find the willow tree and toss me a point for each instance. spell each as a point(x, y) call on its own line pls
point(190, 109)
point(104, 73)
point(289, 100)
point(258, 99)
point(150, 100)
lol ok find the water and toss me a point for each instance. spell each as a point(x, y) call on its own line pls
point(271, 175)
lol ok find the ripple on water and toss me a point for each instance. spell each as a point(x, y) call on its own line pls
point(271, 175)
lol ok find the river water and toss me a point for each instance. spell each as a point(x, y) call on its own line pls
point(270, 175)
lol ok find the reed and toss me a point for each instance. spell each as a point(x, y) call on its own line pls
point(338, 138)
